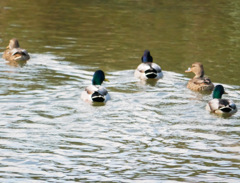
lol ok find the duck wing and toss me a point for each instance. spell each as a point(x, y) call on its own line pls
point(207, 80)
point(201, 81)
point(232, 105)
point(102, 90)
point(227, 106)
point(156, 67)
point(224, 103)
point(99, 89)
point(18, 51)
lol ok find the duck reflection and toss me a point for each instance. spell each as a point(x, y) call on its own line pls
point(17, 63)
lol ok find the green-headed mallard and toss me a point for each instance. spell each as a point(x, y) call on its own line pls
point(14, 52)
point(147, 69)
point(96, 92)
point(199, 82)
point(218, 105)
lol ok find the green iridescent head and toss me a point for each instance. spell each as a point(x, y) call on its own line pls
point(218, 92)
point(98, 77)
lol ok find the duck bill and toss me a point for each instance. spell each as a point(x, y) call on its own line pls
point(189, 70)
point(106, 79)
point(225, 92)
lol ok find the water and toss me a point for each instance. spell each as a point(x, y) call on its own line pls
point(147, 132)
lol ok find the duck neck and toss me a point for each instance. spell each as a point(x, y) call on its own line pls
point(147, 58)
point(14, 44)
point(199, 74)
point(97, 79)
point(97, 82)
point(217, 94)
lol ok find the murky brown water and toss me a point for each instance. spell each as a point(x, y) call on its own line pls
point(146, 133)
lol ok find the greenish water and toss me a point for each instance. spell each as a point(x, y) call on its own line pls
point(146, 133)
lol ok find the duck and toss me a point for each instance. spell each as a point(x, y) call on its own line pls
point(14, 52)
point(147, 69)
point(96, 92)
point(221, 106)
point(199, 82)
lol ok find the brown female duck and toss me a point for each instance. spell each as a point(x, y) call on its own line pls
point(199, 82)
point(14, 52)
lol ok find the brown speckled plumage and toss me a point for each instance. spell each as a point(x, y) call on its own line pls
point(199, 82)
point(14, 52)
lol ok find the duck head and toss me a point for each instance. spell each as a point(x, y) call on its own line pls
point(13, 43)
point(147, 57)
point(218, 91)
point(98, 77)
point(197, 69)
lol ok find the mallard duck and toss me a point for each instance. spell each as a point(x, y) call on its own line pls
point(199, 82)
point(147, 69)
point(96, 92)
point(14, 52)
point(220, 106)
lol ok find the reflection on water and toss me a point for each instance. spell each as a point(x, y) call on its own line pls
point(147, 132)
point(16, 63)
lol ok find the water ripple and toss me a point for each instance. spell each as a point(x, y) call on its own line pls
point(146, 132)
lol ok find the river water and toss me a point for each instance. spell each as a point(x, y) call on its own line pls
point(157, 132)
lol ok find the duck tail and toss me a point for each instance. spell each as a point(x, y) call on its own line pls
point(226, 109)
point(151, 73)
point(97, 97)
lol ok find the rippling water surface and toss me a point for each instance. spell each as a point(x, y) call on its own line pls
point(154, 132)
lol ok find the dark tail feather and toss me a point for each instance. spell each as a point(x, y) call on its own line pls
point(226, 109)
point(151, 73)
point(97, 97)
